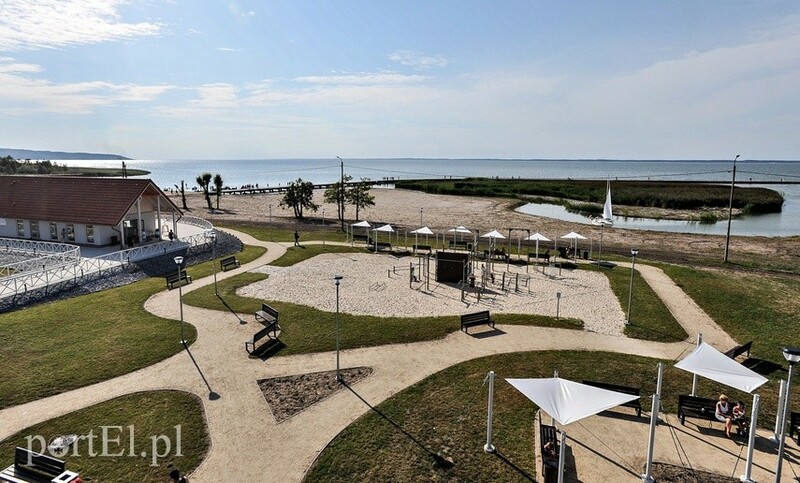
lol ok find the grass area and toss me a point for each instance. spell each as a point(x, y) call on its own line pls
point(308, 330)
point(295, 255)
point(67, 344)
point(445, 414)
point(748, 306)
point(307, 231)
point(650, 318)
point(151, 414)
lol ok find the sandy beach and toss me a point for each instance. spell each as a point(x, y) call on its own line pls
point(402, 208)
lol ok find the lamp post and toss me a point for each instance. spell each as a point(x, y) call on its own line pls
point(270, 213)
point(212, 235)
point(420, 217)
point(730, 210)
point(178, 262)
point(558, 304)
point(337, 279)
point(634, 252)
point(792, 355)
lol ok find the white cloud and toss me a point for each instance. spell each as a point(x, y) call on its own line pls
point(36, 24)
point(417, 60)
point(363, 79)
point(227, 49)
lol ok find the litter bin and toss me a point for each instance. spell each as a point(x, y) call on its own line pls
point(586, 254)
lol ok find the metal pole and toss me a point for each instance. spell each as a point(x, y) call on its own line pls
point(779, 414)
point(634, 252)
point(179, 261)
point(337, 279)
point(214, 260)
point(647, 476)
point(561, 456)
point(782, 438)
point(341, 191)
point(489, 447)
point(420, 217)
point(558, 303)
point(751, 440)
point(730, 210)
point(694, 377)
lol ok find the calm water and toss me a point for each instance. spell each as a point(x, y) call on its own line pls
point(275, 172)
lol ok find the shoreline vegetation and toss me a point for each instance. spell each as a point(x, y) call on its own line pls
point(650, 199)
point(9, 165)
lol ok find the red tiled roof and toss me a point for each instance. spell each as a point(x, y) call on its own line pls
point(100, 201)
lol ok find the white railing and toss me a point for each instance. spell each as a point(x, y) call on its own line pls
point(198, 222)
point(35, 264)
point(35, 246)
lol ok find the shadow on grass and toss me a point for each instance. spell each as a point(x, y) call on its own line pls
point(665, 337)
point(511, 464)
point(241, 321)
point(760, 366)
point(269, 349)
point(212, 396)
point(438, 460)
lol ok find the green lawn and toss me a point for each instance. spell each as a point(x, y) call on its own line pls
point(151, 415)
point(296, 255)
point(445, 415)
point(260, 231)
point(650, 318)
point(308, 330)
point(55, 347)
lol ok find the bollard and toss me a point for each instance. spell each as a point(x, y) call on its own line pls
point(516, 284)
point(503, 284)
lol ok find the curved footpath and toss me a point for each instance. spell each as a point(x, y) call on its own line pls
point(239, 420)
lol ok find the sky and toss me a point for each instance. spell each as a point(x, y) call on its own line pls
point(198, 79)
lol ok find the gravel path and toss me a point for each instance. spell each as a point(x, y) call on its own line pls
point(240, 422)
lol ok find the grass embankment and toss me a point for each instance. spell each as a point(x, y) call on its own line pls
point(307, 231)
point(650, 318)
point(308, 330)
point(151, 414)
point(67, 344)
point(661, 194)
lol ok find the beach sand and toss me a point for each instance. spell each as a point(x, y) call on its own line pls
point(441, 212)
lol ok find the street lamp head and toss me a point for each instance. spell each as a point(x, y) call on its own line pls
point(558, 295)
point(211, 234)
point(178, 260)
point(337, 279)
point(634, 251)
point(792, 354)
point(737, 157)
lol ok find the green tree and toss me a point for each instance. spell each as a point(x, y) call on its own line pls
point(335, 193)
point(299, 196)
point(359, 196)
point(218, 186)
point(204, 180)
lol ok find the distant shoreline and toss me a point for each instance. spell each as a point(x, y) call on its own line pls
point(34, 155)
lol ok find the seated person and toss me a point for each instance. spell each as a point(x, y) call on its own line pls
point(547, 256)
point(740, 417)
point(724, 414)
point(549, 452)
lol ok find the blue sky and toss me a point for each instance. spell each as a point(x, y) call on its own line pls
point(175, 79)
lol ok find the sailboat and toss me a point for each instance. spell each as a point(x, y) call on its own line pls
point(606, 219)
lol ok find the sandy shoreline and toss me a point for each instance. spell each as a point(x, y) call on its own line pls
point(441, 212)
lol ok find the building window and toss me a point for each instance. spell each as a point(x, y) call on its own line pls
point(53, 230)
point(71, 232)
point(34, 229)
point(89, 233)
point(21, 228)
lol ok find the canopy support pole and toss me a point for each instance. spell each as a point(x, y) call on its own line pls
point(647, 476)
point(489, 447)
point(778, 417)
point(694, 377)
point(751, 440)
point(561, 456)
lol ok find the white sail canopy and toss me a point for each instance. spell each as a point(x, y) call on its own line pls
point(567, 401)
point(422, 231)
point(362, 224)
point(493, 234)
point(538, 237)
point(712, 364)
point(385, 228)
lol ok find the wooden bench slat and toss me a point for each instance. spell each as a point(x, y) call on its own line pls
point(739, 350)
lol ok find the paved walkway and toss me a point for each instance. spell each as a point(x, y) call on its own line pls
point(239, 420)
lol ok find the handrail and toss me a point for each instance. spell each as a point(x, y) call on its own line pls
point(34, 245)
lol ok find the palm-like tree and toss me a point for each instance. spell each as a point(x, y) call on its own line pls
point(204, 180)
point(218, 186)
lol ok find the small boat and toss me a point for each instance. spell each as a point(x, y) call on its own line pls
point(606, 219)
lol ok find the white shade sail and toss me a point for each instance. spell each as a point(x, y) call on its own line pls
point(385, 228)
point(538, 237)
point(574, 236)
point(493, 234)
point(567, 401)
point(459, 229)
point(362, 224)
point(422, 231)
point(712, 364)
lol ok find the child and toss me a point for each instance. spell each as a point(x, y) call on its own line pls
point(740, 417)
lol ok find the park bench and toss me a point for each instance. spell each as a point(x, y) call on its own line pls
point(478, 318)
point(422, 247)
point(739, 350)
point(459, 244)
point(794, 426)
point(548, 434)
point(267, 315)
point(228, 262)
point(381, 245)
point(174, 278)
point(270, 331)
point(539, 256)
point(34, 467)
point(696, 407)
point(634, 391)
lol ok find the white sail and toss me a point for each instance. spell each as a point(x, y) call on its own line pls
point(607, 206)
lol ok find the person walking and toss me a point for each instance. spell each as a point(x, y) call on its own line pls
point(296, 239)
